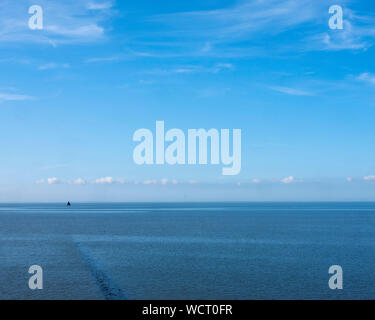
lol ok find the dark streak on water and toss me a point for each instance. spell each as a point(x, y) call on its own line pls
point(106, 285)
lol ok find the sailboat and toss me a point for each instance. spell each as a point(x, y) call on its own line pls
point(68, 204)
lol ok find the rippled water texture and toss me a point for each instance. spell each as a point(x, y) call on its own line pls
point(188, 251)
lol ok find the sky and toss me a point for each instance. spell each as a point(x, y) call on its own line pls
point(73, 94)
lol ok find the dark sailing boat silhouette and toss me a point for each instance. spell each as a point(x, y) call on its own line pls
point(68, 204)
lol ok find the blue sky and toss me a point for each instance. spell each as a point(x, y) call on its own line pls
point(72, 95)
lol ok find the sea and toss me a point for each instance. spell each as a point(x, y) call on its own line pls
point(187, 250)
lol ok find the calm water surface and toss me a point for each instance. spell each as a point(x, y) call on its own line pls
point(188, 251)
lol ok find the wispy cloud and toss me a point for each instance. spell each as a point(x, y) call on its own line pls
point(142, 81)
point(103, 59)
point(86, 31)
point(245, 19)
point(201, 69)
point(291, 91)
point(68, 21)
point(369, 178)
point(14, 97)
point(53, 65)
point(358, 34)
point(192, 69)
point(367, 77)
point(222, 31)
point(99, 5)
point(254, 27)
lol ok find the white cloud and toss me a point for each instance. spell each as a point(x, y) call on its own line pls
point(185, 70)
point(220, 67)
point(163, 181)
point(103, 59)
point(146, 81)
point(291, 91)
point(79, 181)
point(109, 180)
point(105, 180)
point(53, 65)
point(289, 179)
point(367, 77)
point(53, 180)
point(369, 178)
point(191, 69)
point(256, 181)
point(349, 179)
point(99, 6)
point(224, 65)
point(87, 31)
point(149, 182)
point(14, 97)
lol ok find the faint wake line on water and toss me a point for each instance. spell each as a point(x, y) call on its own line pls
point(179, 239)
point(82, 238)
point(107, 286)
